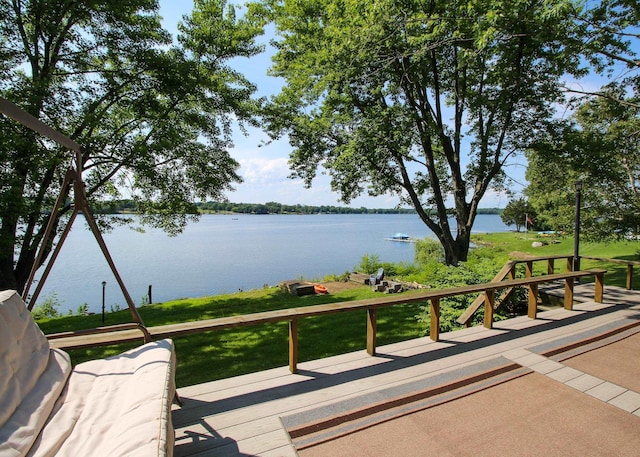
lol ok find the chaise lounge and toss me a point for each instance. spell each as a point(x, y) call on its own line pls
point(119, 406)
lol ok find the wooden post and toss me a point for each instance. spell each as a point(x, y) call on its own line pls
point(629, 276)
point(550, 266)
point(599, 288)
point(489, 304)
point(434, 307)
point(372, 324)
point(568, 294)
point(532, 311)
point(150, 296)
point(293, 345)
point(569, 264)
point(533, 292)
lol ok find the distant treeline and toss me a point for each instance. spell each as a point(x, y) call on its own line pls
point(129, 206)
point(279, 208)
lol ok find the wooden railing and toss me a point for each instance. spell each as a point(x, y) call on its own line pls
point(628, 263)
point(293, 315)
point(509, 270)
point(91, 333)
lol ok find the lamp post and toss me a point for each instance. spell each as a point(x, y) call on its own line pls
point(576, 241)
point(104, 284)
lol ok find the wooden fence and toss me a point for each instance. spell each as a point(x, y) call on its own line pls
point(103, 336)
point(628, 263)
point(509, 270)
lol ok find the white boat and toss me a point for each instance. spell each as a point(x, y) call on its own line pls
point(401, 237)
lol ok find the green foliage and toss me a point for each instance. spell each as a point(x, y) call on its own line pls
point(611, 47)
point(154, 115)
point(452, 307)
point(344, 277)
point(611, 166)
point(428, 250)
point(599, 144)
point(279, 208)
point(601, 147)
point(516, 213)
point(381, 94)
point(83, 309)
point(47, 308)
point(370, 263)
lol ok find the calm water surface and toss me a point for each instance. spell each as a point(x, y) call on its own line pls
point(223, 254)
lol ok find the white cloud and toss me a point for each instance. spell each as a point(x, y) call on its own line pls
point(258, 170)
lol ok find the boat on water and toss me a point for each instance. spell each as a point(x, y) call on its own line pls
point(401, 237)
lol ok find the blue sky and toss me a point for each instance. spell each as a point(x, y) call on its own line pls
point(265, 169)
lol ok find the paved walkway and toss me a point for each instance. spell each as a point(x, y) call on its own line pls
point(566, 383)
point(601, 389)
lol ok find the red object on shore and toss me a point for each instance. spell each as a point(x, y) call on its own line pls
point(320, 289)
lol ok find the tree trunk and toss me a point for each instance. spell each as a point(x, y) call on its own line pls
point(7, 276)
point(8, 228)
point(456, 250)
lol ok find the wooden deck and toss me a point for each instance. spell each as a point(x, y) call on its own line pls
point(257, 414)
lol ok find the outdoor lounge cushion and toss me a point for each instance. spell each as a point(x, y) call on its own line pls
point(31, 376)
point(119, 406)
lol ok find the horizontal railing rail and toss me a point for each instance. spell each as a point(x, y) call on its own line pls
point(102, 331)
point(509, 270)
point(293, 315)
point(629, 263)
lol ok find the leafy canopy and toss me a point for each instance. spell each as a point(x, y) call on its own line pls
point(518, 212)
point(425, 100)
point(599, 145)
point(154, 116)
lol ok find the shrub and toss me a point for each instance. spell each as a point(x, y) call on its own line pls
point(428, 250)
point(48, 308)
point(83, 309)
point(369, 264)
point(476, 271)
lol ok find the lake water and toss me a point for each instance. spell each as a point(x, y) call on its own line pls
point(224, 254)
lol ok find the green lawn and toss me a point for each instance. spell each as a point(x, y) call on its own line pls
point(616, 273)
point(216, 355)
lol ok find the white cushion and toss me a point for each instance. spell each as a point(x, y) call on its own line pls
point(119, 406)
point(33, 376)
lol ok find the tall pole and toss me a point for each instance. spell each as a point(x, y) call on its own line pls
point(576, 232)
point(104, 283)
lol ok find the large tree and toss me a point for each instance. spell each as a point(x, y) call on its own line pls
point(599, 145)
point(609, 40)
point(424, 99)
point(518, 212)
point(154, 116)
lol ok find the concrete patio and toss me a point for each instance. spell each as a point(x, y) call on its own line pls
point(566, 383)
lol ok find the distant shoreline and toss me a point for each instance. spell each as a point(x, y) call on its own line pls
point(129, 207)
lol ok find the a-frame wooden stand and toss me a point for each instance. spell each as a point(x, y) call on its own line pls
point(73, 178)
